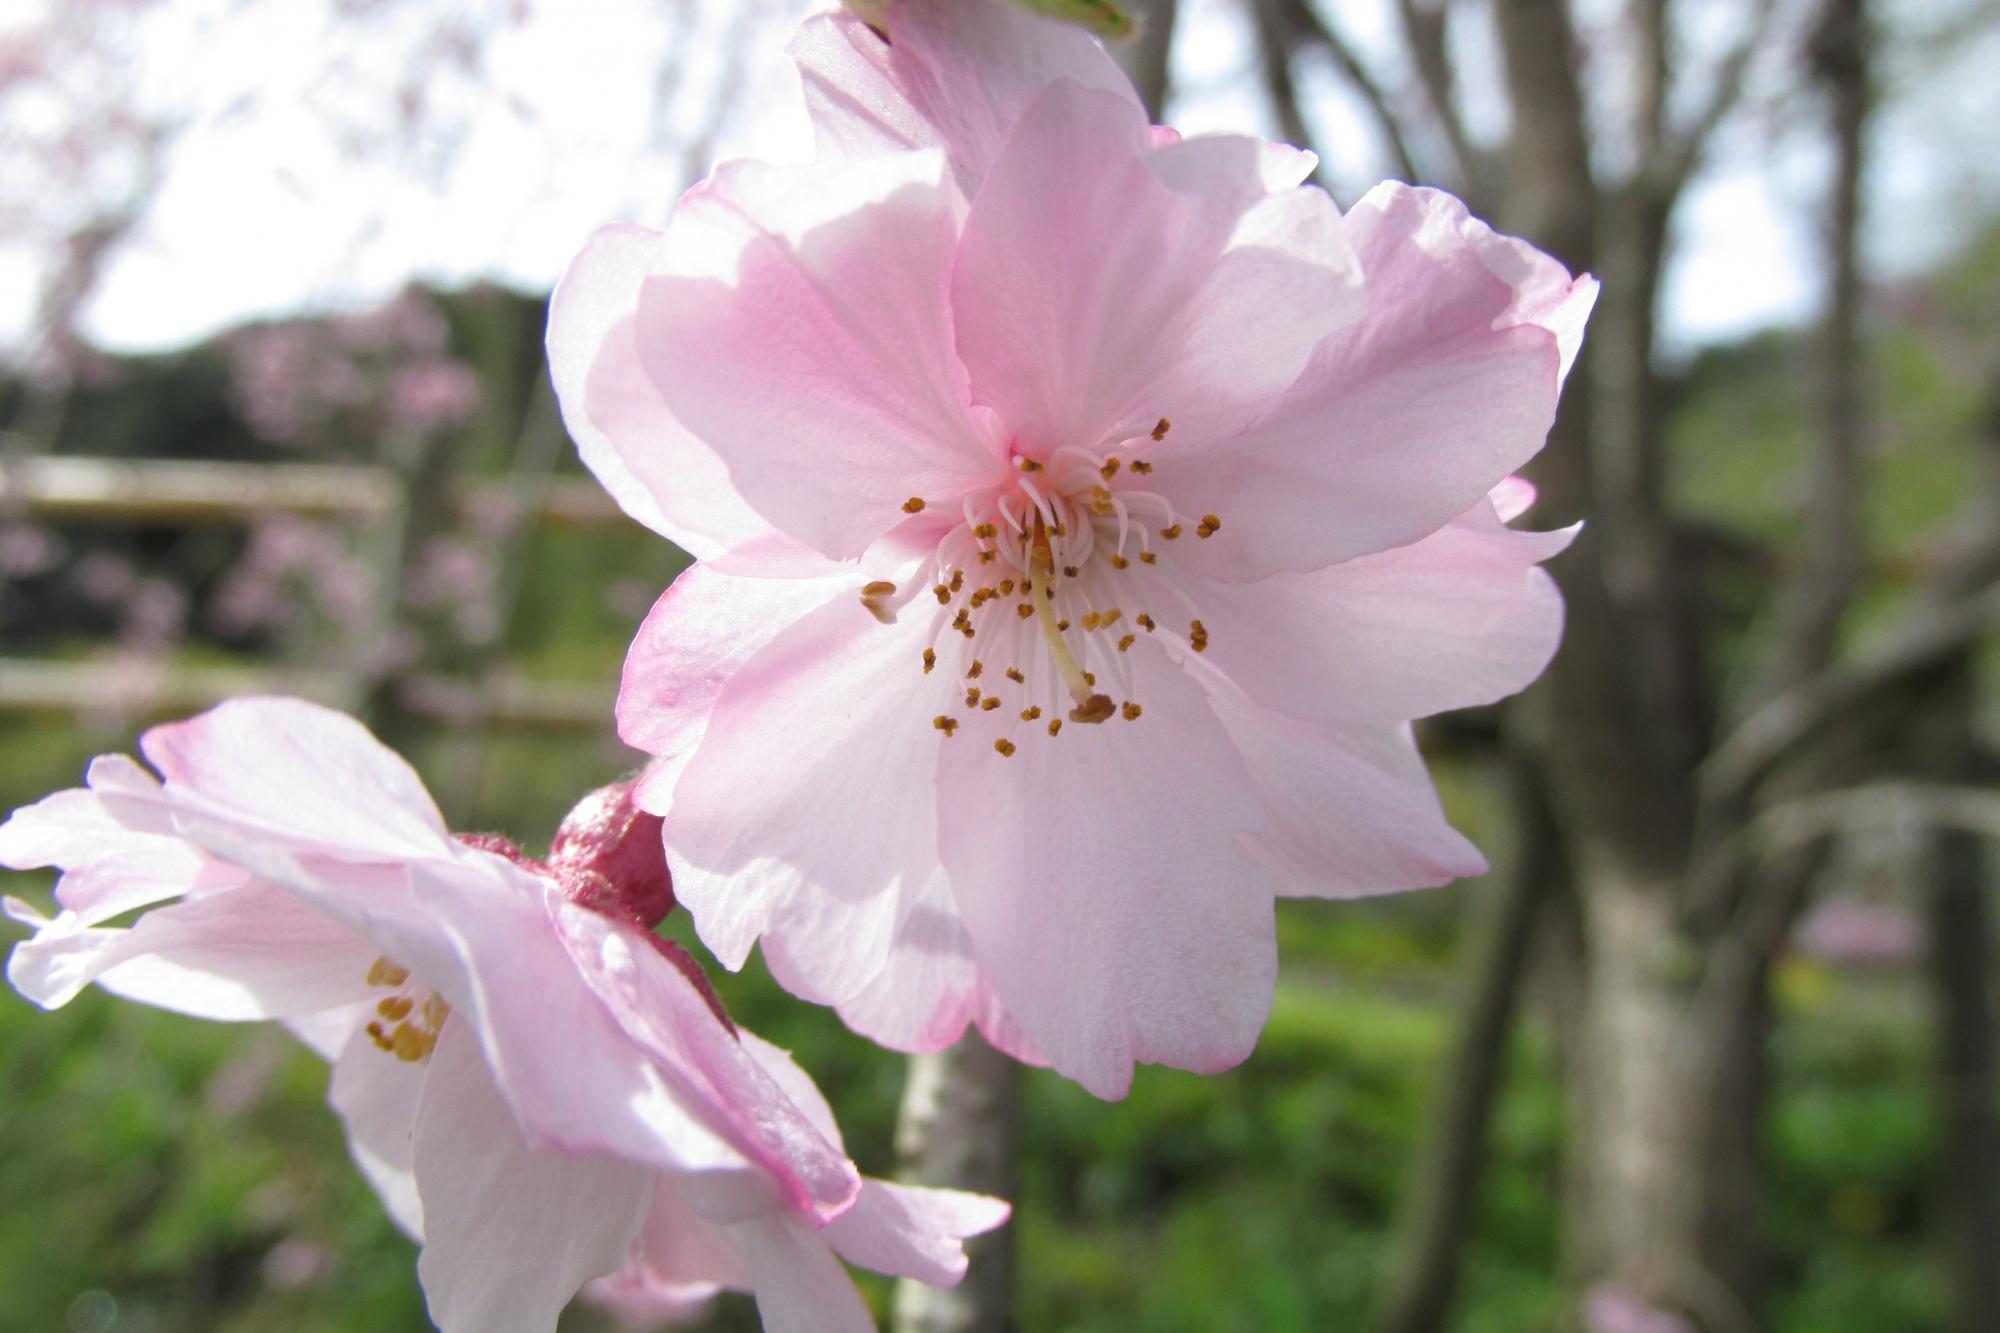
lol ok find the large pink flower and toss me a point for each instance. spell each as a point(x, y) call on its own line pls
point(1084, 514)
point(539, 1088)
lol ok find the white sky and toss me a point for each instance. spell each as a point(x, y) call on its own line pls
point(260, 213)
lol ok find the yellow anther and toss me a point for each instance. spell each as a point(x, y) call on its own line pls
point(1092, 621)
point(1029, 465)
point(1119, 561)
point(957, 579)
point(1055, 725)
point(1197, 636)
point(1130, 711)
point(943, 594)
point(945, 724)
point(1126, 642)
point(1006, 587)
point(396, 1008)
point(382, 972)
point(409, 1044)
point(1111, 617)
point(986, 532)
point(1170, 533)
point(1030, 713)
point(988, 557)
point(930, 660)
point(972, 697)
point(1069, 571)
point(1110, 469)
point(1014, 674)
point(872, 595)
point(974, 671)
point(1024, 610)
point(1141, 466)
point(1146, 622)
point(1004, 746)
point(989, 703)
point(914, 505)
point(1090, 678)
point(1062, 625)
point(1208, 527)
point(1160, 430)
point(1149, 557)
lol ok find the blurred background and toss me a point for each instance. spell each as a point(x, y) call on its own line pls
point(1712, 1049)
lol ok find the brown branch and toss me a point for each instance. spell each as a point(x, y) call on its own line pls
point(1673, 157)
point(1424, 31)
point(1800, 715)
point(1274, 57)
point(1439, 1208)
point(1295, 25)
point(1814, 604)
point(1147, 58)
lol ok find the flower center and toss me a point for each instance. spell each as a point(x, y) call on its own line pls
point(408, 1019)
point(1044, 588)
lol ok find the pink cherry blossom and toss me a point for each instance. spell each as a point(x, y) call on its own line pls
point(540, 1089)
point(1083, 516)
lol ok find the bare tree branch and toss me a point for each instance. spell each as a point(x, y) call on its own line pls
point(1293, 25)
point(1815, 603)
point(1274, 51)
point(1788, 722)
point(1148, 58)
point(1439, 1204)
point(1673, 155)
point(1425, 30)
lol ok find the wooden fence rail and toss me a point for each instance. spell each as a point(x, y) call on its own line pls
point(174, 491)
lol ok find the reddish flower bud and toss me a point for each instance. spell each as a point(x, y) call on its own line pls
point(607, 856)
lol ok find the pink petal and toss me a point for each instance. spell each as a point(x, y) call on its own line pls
point(794, 821)
point(310, 775)
point(804, 1094)
point(511, 1231)
point(1352, 811)
point(931, 988)
point(801, 1287)
point(658, 472)
point(109, 867)
point(910, 1231)
point(801, 327)
point(1103, 284)
point(773, 1121)
point(698, 634)
point(1109, 902)
point(1401, 420)
point(376, 1096)
point(238, 954)
point(678, 1246)
point(851, 90)
point(1460, 618)
point(973, 70)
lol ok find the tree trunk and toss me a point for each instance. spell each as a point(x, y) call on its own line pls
point(959, 1129)
point(1962, 972)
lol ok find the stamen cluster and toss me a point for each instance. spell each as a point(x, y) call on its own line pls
point(1067, 544)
